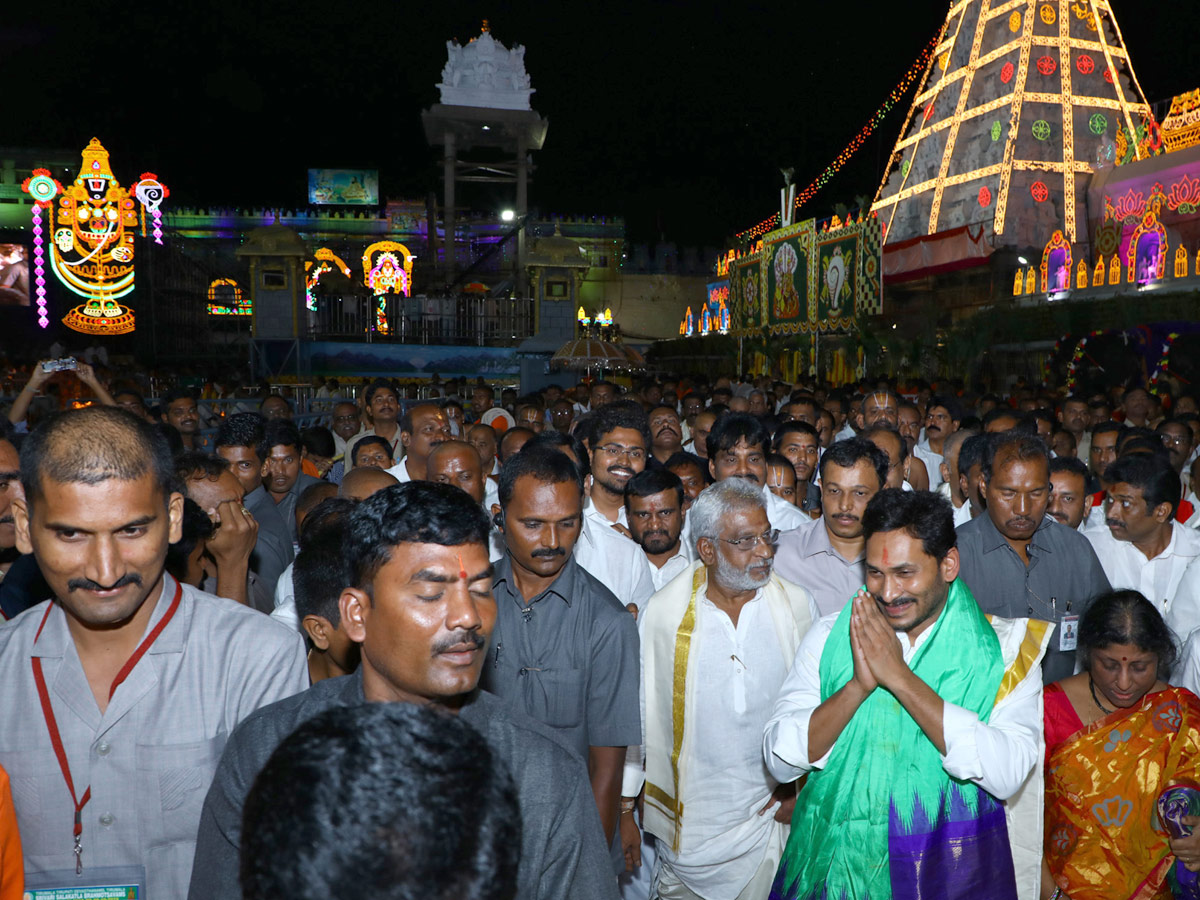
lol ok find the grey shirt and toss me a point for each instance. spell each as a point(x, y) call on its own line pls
point(807, 558)
point(562, 845)
point(273, 547)
point(287, 504)
point(1062, 579)
point(570, 659)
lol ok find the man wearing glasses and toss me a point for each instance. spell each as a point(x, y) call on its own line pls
point(618, 443)
point(730, 627)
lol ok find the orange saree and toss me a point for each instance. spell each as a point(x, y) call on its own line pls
point(1103, 838)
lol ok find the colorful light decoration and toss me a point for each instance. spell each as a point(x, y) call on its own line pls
point(324, 257)
point(91, 225)
point(226, 298)
point(387, 269)
point(901, 88)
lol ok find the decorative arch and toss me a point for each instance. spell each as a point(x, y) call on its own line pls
point(1098, 274)
point(226, 298)
point(1181, 262)
point(1146, 257)
point(387, 268)
point(1056, 260)
point(1081, 276)
point(325, 260)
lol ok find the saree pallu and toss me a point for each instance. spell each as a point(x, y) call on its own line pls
point(1103, 836)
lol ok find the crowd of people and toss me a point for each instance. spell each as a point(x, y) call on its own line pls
point(727, 639)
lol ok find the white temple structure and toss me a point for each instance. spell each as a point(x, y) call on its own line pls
point(485, 73)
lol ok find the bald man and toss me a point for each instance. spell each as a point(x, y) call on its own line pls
point(458, 463)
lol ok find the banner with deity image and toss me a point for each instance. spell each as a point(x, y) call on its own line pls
point(745, 299)
point(786, 271)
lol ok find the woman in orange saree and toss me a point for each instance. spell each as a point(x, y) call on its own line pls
point(1116, 737)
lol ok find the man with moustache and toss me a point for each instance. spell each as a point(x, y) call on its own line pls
point(1075, 418)
point(941, 421)
point(1019, 562)
point(799, 443)
point(422, 427)
point(1143, 547)
point(1068, 491)
point(345, 425)
point(827, 555)
point(666, 434)
point(420, 604)
point(382, 406)
point(118, 698)
point(457, 463)
point(879, 408)
point(692, 474)
point(654, 508)
point(717, 642)
point(905, 749)
point(737, 448)
point(617, 441)
point(564, 650)
point(280, 452)
point(179, 410)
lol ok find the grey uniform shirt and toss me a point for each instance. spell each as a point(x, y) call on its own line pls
point(562, 845)
point(570, 659)
point(287, 504)
point(149, 758)
point(1062, 579)
point(807, 558)
point(273, 548)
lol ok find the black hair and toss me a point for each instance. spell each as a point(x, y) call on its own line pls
point(434, 804)
point(728, 430)
point(318, 440)
point(130, 392)
point(653, 481)
point(1106, 427)
point(545, 465)
point(1126, 617)
point(1032, 417)
point(197, 526)
point(924, 515)
point(611, 416)
point(278, 433)
point(379, 384)
point(973, 451)
point(172, 395)
point(556, 440)
point(1144, 446)
point(198, 464)
point(319, 572)
point(330, 512)
point(1024, 447)
point(241, 430)
point(795, 426)
point(369, 441)
point(1071, 464)
point(416, 512)
point(1155, 476)
point(173, 438)
point(949, 402)
point(92, 445)
point(682, 458)
point(851, 451)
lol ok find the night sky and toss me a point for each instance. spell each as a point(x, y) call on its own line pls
point(677, 116)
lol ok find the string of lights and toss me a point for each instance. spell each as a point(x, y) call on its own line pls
point(901, 88)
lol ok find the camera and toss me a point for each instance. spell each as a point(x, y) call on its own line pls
point(67, 364)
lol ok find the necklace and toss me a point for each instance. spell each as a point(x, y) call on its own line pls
point(1092, 688)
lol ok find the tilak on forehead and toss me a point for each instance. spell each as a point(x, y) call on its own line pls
point(886, 397)
point(462, 570)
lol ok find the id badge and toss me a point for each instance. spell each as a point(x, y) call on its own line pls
point(1068, 633)
point(96, 883)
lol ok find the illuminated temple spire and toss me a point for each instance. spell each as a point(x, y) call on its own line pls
point(1021, 102)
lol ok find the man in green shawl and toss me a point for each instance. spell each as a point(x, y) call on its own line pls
point(914, 717)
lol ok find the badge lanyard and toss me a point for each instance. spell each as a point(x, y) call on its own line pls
point(52, 722)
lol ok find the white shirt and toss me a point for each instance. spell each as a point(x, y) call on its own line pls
point(285, 600)
point(962, 514)
point(997, 756)
point(615, 561)
point(590, 512)
point(491, 495)
point(933, 463)
point(1171, 581)
point(1187, 673)
point(679, 562)
point(738, 672)
point(846, 433)
point(400, 471)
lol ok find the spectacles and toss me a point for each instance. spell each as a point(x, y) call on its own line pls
point(353, 418)
point(749, 543)
point(615, 450)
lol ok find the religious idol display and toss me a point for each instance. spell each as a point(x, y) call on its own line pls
point(91, 225)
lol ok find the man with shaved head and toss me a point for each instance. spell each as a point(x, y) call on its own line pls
point(457, 463)
point(362, 483)
point(136, 677)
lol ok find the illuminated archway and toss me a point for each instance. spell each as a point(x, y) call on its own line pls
point(1056, 260)
point(226, 298)
point(387, 269)
point(326, 259)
